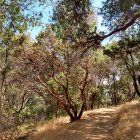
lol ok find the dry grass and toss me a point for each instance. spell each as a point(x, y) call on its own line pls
point(127, 126)
point(53, 130)
point(122, 122)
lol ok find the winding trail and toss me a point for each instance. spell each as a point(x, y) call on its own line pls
point(95, 125)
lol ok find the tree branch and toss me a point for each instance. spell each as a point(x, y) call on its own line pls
point(97, 38)
point(122, 28)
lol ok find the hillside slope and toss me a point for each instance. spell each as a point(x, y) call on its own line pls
point(95, 125)
point(113, 123)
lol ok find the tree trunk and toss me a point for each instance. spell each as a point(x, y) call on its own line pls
point(57, 109)
point(74, 115)
point(135, 84)
point(92, 100)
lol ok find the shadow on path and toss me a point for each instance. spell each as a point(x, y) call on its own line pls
point(95, 125)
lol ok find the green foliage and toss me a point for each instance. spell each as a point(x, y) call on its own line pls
point(115, 12)
point(45, 78)
point(73, 19)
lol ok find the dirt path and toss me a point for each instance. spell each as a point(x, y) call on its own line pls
point(95, 125)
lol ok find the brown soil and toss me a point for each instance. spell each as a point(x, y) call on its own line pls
point(95, 125)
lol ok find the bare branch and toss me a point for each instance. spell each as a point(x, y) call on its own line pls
point(122, 28)
point(97, 38)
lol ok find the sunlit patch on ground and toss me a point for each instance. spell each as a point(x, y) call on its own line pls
point(113, 123)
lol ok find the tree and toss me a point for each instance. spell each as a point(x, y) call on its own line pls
point(118, 18)
point(61, 73)
point(15, 17)
point(73, 20)
point(66, 12)
point(128, 51)
point(63, 63)
point(116, 13)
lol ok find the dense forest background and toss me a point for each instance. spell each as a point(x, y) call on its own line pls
point(66, 69)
